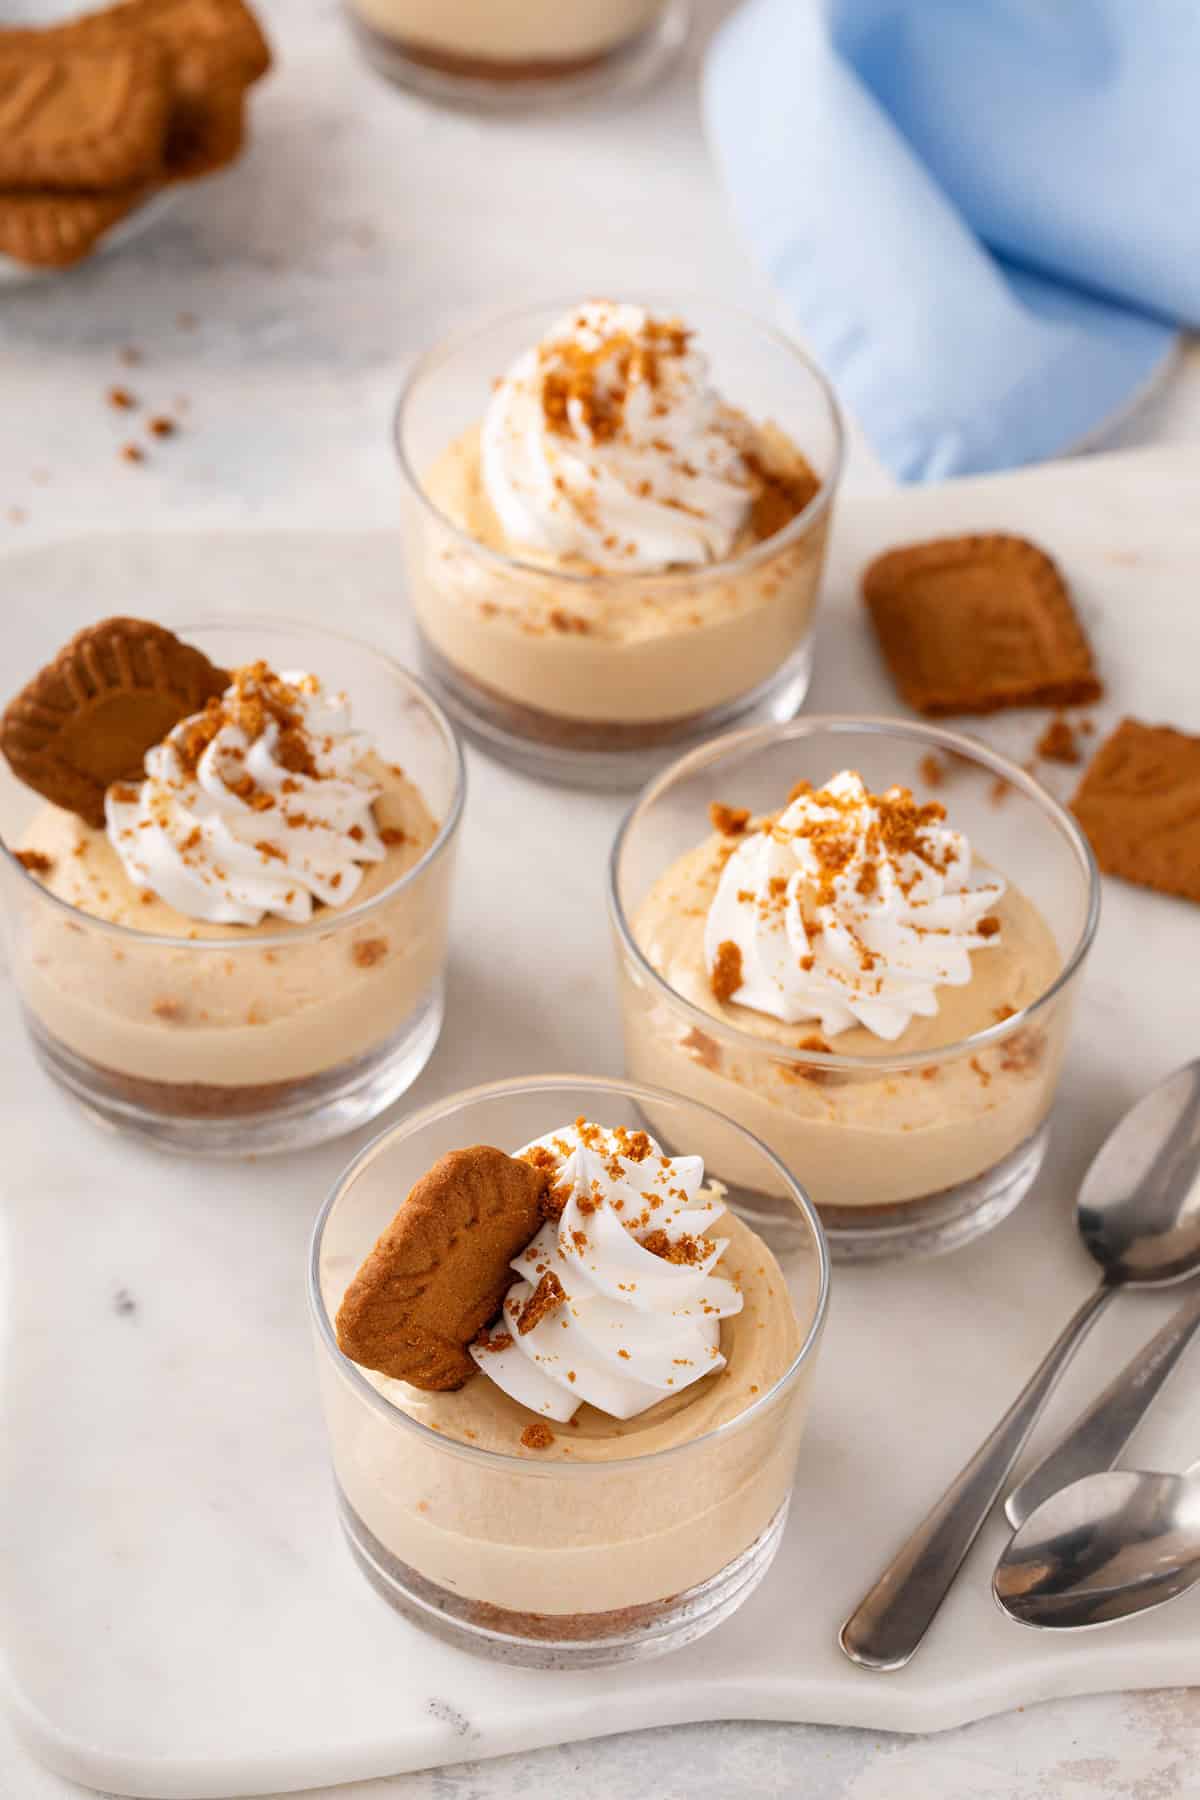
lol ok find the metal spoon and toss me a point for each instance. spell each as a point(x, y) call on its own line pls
point(1099, 1435)
point(1139, 1217)
point(1103, 1549)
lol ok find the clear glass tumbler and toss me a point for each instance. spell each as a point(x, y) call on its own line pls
point(902, 1153)
point(598, 679)
point(556, 1564)
point(507, 55)
point(251, 1042)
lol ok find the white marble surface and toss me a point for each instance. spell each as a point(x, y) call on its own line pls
point(278, 302)
point(238, 1651)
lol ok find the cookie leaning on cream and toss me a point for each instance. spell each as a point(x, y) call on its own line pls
point(590, 1278)
point(187, 804)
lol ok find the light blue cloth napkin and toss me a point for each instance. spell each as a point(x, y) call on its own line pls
point(984, 215)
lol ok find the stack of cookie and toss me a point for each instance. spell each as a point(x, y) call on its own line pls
point(100, 112)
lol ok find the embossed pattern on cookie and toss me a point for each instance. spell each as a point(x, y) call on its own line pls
point(83, 120)
point(1139, 803)
point(55, 231)
point(89, 717)
point(973, 624)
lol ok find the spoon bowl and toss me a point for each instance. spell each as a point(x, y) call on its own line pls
point(1139, 1216)
point(1103, 1549)
point(1139, 1207)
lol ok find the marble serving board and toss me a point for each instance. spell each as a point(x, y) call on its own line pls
point(179, 1616)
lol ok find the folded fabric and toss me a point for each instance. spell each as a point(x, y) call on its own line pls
point(981, 214)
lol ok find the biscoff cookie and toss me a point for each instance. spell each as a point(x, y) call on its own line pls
point(1139, 803)
point(89, 717)
point(214, 50)
point(973, 624)
point(440, 1271)
point(208, 40)
point(55, 231)
point(83, 120)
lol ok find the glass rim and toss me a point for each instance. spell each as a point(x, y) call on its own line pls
point(439, 352)
point(323, 925)
point(549, 1084)
point(837, 724)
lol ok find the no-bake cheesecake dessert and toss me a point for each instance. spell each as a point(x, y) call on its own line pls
point(584, 1319)
point(218, 919)
point(615, 551)
point(848, 977)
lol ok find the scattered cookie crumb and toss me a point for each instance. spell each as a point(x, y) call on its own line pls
point(166, 1008)
point(121, 399)
point(35, 861)
point(368, 951)
point(1059, 742)
point(701, 1048)
point(161, 427)
point(1000, 790)
point(537, 1436)
point(130, 355)
point(727, 970)
point(17, 515)
point(548, 1295)
point(933, 770)
point(132, 453)
point(730, 821)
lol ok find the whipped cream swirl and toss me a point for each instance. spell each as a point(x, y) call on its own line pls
point(623, 1306)
point(606, 443)
point(258, 805)
point(849, 908)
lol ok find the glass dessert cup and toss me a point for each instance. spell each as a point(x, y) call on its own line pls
point(556, 1563)
point(598, 679)
point(253, 1040)
point(903, 1154)
point(501, 57)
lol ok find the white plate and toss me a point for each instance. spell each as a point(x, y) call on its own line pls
point(178, 1613)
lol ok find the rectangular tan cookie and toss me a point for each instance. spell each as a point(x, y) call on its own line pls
point(87, 121)
point(973, 624)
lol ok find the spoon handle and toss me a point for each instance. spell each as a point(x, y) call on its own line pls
point(1100, 1434)
point(886, 1627)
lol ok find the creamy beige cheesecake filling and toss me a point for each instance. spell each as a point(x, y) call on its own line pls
point(602, 546)
point(511, 31)
point(854, 1139)
point(215, 1008)
point(594, 1520)
point(613, 649)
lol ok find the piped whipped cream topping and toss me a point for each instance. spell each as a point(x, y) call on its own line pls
point(617, 1304)
point(849, 908)
point(607, 443)
point(257, 805)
